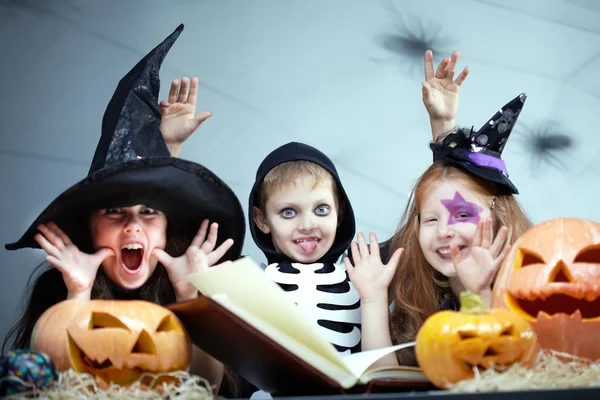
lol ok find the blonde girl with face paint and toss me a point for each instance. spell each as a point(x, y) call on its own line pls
point(454, 234)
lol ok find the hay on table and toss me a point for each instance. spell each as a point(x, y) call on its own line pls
point(73, 385)
point(552, 370)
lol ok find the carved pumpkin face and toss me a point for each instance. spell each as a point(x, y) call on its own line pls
point(115, 341)
point(551, 277)
point(450, 343)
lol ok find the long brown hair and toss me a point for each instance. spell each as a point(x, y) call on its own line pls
point(416, 286)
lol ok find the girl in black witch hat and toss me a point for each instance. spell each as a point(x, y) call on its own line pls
point(456, 230)
point(139, 222)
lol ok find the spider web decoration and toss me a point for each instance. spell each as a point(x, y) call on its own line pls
point(410, 40)
point(548, 145)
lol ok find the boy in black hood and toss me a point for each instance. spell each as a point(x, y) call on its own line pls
point(302, 220)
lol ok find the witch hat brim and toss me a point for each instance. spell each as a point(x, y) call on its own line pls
point(185, 191)
point(132, 165)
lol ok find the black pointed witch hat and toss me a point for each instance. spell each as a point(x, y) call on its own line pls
point(132, 165)
point(480, 152)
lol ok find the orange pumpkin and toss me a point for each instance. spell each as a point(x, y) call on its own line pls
point(551, 278)
point(115, 341)
point(451, 343)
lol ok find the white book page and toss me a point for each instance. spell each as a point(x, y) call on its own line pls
point(246, 285)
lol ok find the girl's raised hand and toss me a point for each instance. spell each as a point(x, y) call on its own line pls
point(178, 115)
point(486, 255)
point(369, 275)
point(77, 268)
point(200, 256)
point(441, 92)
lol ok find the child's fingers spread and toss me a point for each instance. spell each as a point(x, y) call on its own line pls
point(51, 236)
point(46, 245)
point(355, 252)
point(441, 69)
point(173, 91)
point(193, 91)
point(499, 241)
point(202, 116)
point(201, 234)
point(503, 254)
point(216, 255)
point(184, 90)
point(488, 233)
point(60, 233)
point(428, 65)
point(349, 266)
point(463, 75)
point(395, 258)
point(362, 245)
point(211, 241)
point(374, 245)
point(477, 237)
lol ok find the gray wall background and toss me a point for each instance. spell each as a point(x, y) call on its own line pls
point(343, 76)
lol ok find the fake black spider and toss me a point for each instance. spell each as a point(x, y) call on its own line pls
point(547, 144)
point(411, 38)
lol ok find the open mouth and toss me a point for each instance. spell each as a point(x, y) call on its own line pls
point(308, 245)
point(132, 255)
point(560, 303)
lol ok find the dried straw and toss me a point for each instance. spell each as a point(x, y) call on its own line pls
point(73, 385)
point(551, 370)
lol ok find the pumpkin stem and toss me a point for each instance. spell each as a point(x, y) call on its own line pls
point(472, 303)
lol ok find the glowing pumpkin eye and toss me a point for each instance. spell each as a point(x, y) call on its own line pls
point(507, 331)
point(144, 344)
point(465, 335)
point(530, 259)
point(590, 255)
point(168, 324)
point(101, 320)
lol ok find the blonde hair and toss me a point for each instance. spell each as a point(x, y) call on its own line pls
point(288, 173)
point(415, 288)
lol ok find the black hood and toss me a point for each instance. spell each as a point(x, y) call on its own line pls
point(295, 151)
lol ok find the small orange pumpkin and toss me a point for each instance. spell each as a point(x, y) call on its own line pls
point(114, 341)
point(451, 343)
point(551, 278)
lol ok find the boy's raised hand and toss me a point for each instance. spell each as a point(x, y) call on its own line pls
point(441, 92)
point(200, 256)
point(78, 269)
point(178, 119)
point(486, 255)
point(369, 275)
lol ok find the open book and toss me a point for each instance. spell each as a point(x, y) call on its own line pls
point(247, 322)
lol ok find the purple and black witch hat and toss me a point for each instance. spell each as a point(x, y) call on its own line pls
point(480, 152)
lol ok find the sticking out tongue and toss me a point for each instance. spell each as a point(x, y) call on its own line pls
point(308, 245)
point(131, 258)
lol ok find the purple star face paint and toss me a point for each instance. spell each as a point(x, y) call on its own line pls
point(461, 210)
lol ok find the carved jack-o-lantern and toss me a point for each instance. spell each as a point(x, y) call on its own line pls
point(551, 277)
point(115, 341)
point(450, 344)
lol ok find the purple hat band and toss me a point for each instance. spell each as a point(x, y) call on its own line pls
point(482, 160)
